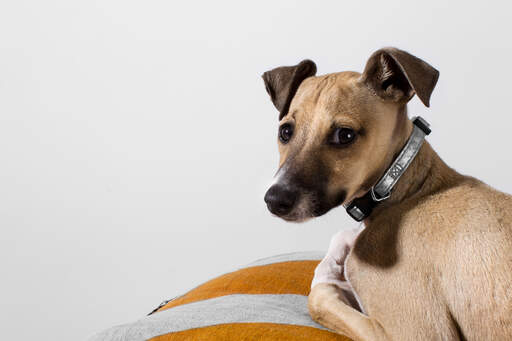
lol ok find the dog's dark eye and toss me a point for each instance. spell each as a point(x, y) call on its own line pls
point(285, 132)
point(342, 136)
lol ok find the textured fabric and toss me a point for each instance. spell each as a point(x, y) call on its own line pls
point(252, 331)
point(287, 257)
point(280, 278)
point(281, 309)
point(260, 302)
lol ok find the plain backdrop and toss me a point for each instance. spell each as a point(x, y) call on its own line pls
point(137, 139)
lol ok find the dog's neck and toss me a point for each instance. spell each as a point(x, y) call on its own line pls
point(426, 175)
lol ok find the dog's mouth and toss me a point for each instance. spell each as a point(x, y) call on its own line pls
point(300, 206)
point(324, 205)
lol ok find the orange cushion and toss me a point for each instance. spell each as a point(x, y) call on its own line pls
point(266, 300)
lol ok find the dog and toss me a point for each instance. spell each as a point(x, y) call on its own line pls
point(433, 260)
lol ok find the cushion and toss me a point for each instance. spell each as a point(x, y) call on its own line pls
point(265, 300)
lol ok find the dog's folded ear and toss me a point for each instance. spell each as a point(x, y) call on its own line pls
point(397, 75)
point(282, 83)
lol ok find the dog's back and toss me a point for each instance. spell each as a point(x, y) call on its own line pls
point(467, 231)
point(477, 259)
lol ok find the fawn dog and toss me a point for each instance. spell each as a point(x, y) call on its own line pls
point(434, 259)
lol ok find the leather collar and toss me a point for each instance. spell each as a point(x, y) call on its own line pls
point(361, 208)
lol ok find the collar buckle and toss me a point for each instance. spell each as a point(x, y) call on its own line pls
point(378, 199)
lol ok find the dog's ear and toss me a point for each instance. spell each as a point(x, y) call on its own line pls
point(397, 75)
point(282, 83)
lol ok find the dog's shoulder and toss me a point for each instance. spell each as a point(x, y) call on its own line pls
point(470, 202)
point(468, 208)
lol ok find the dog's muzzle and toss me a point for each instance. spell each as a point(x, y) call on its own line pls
point(281, 199)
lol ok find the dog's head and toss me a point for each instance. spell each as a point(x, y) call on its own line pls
point(339, 132)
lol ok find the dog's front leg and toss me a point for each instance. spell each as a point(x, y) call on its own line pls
point(331, 268)
point(329, 306)
point(332, 302)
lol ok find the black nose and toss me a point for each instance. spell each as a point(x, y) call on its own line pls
point(280, 199)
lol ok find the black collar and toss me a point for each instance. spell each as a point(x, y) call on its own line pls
point(362, 207)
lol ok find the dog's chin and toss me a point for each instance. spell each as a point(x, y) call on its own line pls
point(310, 208)
point(293, 218)
point(300, 213)
point(302, 216)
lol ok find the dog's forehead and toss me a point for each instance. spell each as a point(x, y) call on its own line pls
point(327, 93)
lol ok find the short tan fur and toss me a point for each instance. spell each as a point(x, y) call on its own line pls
point(434, 261)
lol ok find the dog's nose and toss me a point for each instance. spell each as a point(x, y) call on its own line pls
point(280, 199)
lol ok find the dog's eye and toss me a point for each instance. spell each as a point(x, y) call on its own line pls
point(285, 132)
point(342, 136)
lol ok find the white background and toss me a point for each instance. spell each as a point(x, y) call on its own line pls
point(137, 140)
